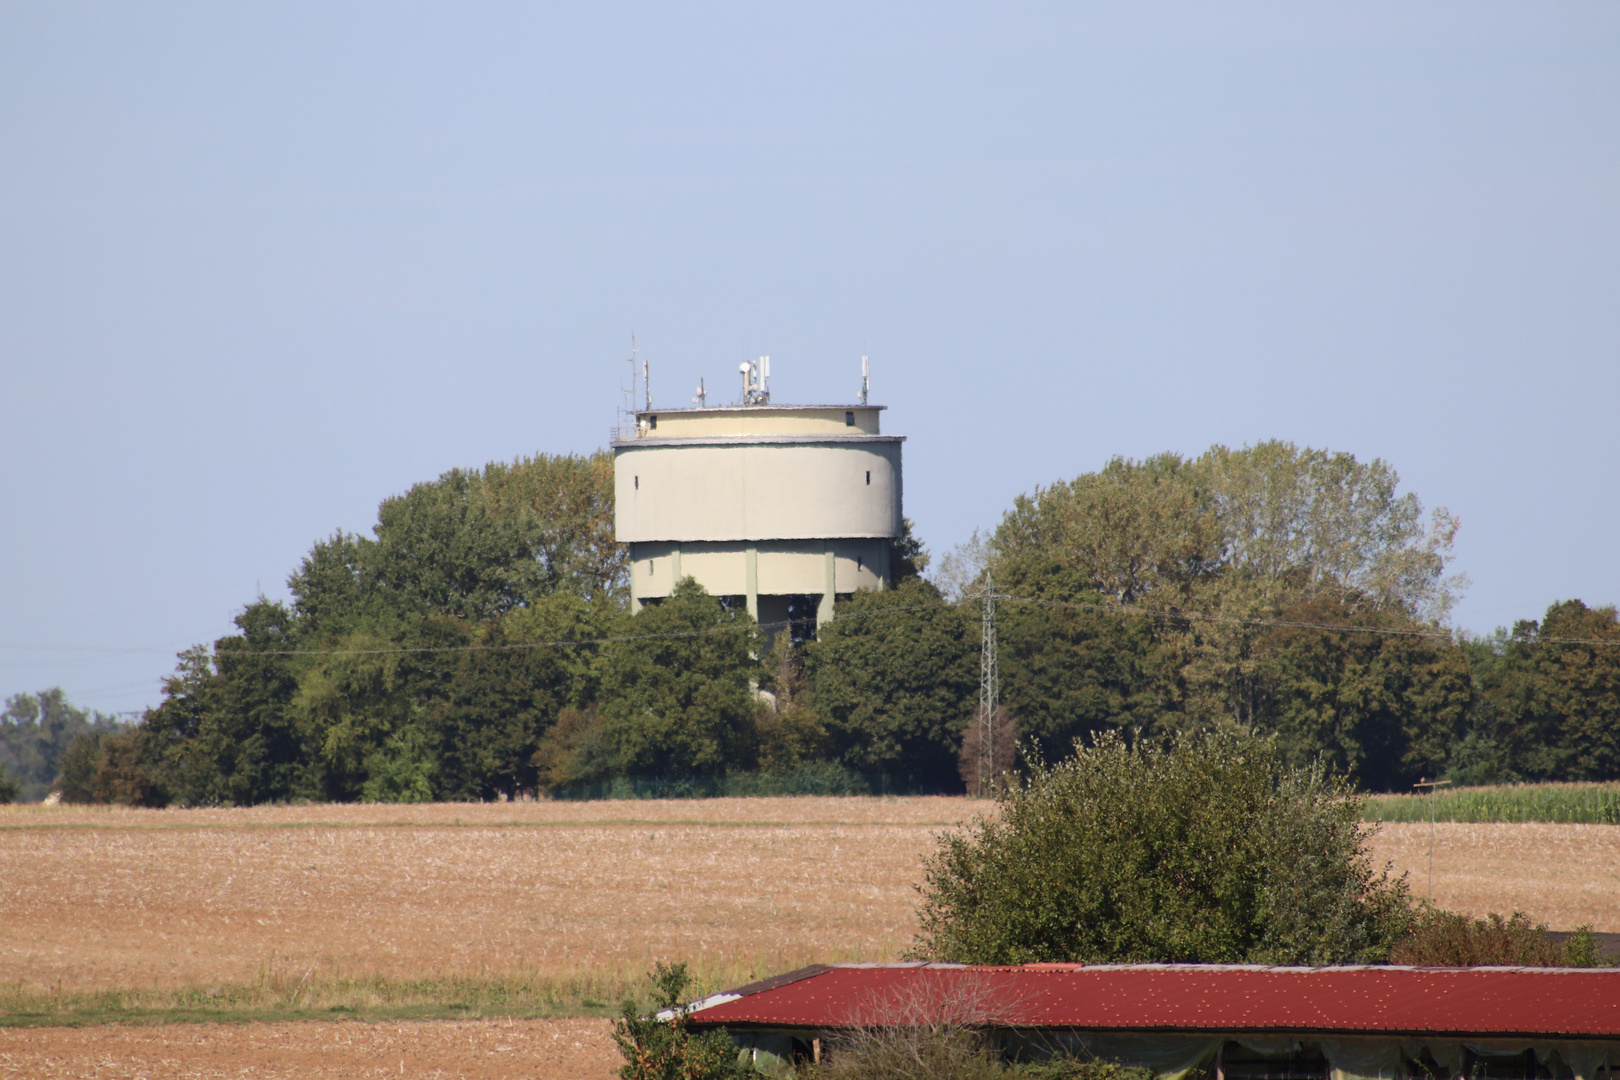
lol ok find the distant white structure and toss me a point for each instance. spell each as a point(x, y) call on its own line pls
point(765, 503)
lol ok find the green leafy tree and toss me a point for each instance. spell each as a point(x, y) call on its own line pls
point(896, 676)
point(675, 693)
point(227, 732)
point(36, 731)
point(1383, 708)
point(908, 558)
point(1551, 708)
point(479, 544)
point(1070, 663)
point(1203, 849)
point(498, 700)
point(1303, 520)
point(10, 786)
point(662, 1046)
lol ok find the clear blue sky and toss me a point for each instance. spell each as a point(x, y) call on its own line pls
point(262, 266)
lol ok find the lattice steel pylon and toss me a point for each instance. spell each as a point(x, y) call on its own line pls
point(989, 692)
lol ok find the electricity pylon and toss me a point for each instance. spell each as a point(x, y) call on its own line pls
point(989, 692)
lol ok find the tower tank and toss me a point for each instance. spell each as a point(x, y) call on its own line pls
point(769, 505)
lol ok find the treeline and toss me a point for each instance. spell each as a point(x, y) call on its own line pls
point(36, 732)
point(480, 645)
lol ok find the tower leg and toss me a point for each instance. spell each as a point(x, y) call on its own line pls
point(751, 580)
point(824, 610)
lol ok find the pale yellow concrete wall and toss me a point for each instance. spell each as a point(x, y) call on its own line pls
point(760, 420)
point(653, 574)
point(757, 491)
point(722, 572)
point(783, 569)
point(786, 573)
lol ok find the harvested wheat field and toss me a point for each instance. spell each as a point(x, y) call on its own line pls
point(564, 1049)
point(99, 898)
point(143, 899)
point(286, 901)
point(1563, 875)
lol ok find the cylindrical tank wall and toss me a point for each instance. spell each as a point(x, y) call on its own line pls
point(781, 568)
point(766, 489)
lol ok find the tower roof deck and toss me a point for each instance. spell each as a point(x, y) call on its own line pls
point(745, 420)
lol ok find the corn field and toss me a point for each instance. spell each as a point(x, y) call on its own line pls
point(1564, 804)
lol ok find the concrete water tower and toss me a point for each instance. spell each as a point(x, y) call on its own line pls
point(761, 503)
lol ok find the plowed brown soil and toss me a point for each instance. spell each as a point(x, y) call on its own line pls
point(475, 1049)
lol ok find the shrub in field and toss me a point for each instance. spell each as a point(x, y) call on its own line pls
point(666, 1049)
point(1202, 849)
point(10, 788)
point(1447, 939)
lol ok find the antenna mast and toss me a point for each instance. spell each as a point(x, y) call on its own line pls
point(626, 427)
point(866, 379)
point(987, 767)
point(701, 399)
point(755, 388)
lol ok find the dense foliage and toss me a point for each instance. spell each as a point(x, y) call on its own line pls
point(1448, 939)
point(1204, 849)
point(658, 1044)
point(480, 645)
point(35, 733)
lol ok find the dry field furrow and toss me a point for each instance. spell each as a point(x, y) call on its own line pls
point(471, 1049)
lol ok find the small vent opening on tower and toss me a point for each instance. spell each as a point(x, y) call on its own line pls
point(849, 418)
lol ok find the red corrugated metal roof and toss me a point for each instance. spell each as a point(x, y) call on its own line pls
point(1565, 1002)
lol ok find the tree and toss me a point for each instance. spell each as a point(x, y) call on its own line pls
point(675, 697)
point(1551, 708)
point(479, 544)
point(1205, 848)
point(498, 699)
point(1382, 705)
point(1163, 588)
point(1300, 520)
point(226, 732)
point(36, 731)
point(662, 1046)
point(1132, 529)
point(908, 558)
point(896, 676)
point(1071, 664)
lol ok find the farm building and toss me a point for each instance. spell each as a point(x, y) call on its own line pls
point(782, 508)
point(1226, 1022)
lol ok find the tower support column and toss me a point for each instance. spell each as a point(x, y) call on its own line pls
point(824, 610)
point(751, 580)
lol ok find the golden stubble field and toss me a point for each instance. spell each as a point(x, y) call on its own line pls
point(99, 898)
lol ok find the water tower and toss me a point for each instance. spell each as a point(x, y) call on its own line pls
point(773, 506)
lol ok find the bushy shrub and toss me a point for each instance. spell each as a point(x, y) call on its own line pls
point(1448, 939)
point(10, 787)
point(916, 1053)
point(1202, 849)
point(667, 1049)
